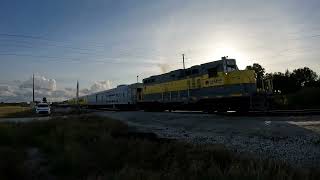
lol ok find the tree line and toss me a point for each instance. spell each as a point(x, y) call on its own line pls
point(289, 81)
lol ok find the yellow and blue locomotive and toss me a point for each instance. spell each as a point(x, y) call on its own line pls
point(217, 85)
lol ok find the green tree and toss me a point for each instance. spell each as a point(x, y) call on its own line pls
point(304, 77)
point(260, 72)
point(283, 82)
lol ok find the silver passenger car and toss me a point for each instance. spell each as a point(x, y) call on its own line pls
point(122, 97)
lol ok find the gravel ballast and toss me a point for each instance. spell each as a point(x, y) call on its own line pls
point(281, 138)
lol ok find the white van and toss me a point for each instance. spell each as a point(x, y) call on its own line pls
point(43, 108)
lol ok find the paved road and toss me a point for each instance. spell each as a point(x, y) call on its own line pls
point(28, 119)
point(293, 139)
point(202, 123)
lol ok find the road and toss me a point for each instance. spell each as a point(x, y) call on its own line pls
point(27, 119)
point(293, 139)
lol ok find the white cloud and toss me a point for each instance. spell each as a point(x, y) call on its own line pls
point(5, 90)
point(100, 86)
point(40, 82)
point(18, 91)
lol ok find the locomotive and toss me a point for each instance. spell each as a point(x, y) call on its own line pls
point(213, 86)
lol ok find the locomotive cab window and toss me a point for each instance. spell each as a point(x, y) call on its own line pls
point(231, 68)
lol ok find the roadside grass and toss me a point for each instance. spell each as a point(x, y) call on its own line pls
point(314, 128)
point(88, 147)
point(15, 111)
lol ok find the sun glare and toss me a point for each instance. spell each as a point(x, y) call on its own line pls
point(233, 53)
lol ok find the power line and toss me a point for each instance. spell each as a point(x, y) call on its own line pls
point(94, 51)
point(77, 60)
point(19, 36)
point(127, 53)
point(50, 40)
point(79, 50)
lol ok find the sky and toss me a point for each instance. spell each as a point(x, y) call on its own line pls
point(104, 43)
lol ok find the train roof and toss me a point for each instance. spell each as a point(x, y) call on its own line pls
point(192, 71)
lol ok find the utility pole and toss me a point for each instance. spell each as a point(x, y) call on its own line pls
point(183, 61)
point(78, 105)
point(33, 88)
point(77, 95)
point(138, 79)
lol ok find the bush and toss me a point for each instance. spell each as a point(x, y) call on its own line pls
point(11, 163)
point(86, 147)
point(306, 98)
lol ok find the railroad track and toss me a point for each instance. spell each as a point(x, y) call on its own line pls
point(304, 112)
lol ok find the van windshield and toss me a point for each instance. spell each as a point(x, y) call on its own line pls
point(42, 105)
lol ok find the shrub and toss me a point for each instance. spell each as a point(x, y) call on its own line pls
point(87, 147)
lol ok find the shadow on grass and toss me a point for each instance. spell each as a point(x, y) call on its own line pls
point(87, 147)
point(22, 114)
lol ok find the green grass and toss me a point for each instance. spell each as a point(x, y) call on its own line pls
point(10, 111)
point(315, 128)
point(86, 147)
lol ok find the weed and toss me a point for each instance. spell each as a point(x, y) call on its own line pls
point(88, 147)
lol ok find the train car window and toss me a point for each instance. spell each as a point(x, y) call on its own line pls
point(212, 72)
point(193, 83)
point(199, 83)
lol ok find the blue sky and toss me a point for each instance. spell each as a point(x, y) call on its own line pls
point(100, 40)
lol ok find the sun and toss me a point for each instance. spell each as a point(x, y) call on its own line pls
point(232, 53)
point(213, 50)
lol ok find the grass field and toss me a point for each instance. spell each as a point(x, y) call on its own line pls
point(314, 128)
point(86, 147)
point(15, 111)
